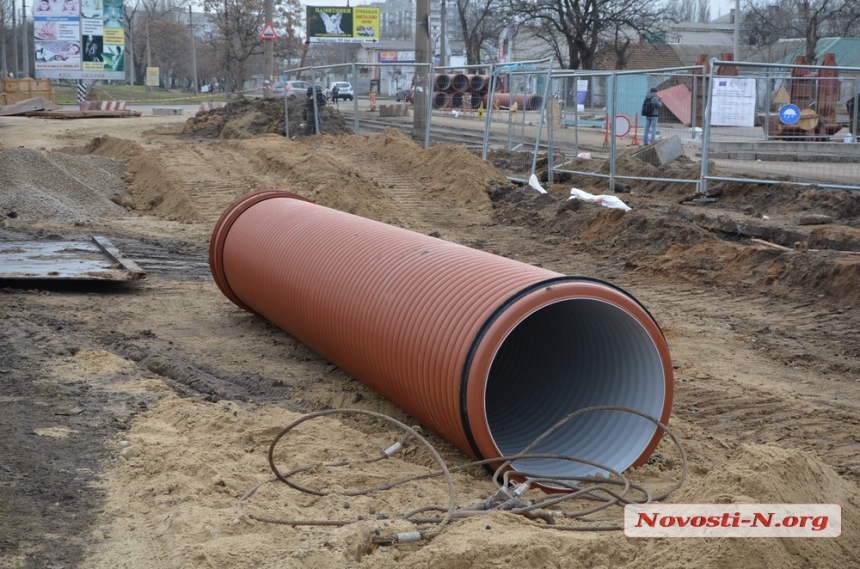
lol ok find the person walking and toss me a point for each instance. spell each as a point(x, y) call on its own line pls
point(334, 94)
point(651, 110)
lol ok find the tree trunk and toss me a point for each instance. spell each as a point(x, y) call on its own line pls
point(811, 39)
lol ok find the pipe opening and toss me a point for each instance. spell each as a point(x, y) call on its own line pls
point(566, 356)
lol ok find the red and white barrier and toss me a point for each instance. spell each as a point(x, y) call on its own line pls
point(114, 106)
point(103, 105)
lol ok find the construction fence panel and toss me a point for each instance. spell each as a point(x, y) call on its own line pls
point(769, 122)
point(458, 103)
point(384, 95)
point(602, 123)
point(511, 111)
point(577, 120)
point(391, 94)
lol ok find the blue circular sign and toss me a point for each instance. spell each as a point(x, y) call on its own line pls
point(789, 114)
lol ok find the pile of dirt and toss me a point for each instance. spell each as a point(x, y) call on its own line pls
point(245, 118)
point(301, 168)
point(150, 190)
point(451, 171)
point(804, 202)
point(670, 246)
point(625, 234)
point(41, 186)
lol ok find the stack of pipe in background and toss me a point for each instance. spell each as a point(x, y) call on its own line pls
point(461, 91)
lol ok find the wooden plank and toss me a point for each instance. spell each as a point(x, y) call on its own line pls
point(82, 114)
point(111, 251)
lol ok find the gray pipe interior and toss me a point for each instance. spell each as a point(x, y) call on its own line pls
point(570, 355)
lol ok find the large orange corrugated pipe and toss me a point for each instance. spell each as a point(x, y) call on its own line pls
point(486, 351)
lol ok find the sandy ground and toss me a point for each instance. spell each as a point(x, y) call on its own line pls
point(135, 418)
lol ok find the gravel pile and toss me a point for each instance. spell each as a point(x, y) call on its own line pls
point(57, 187)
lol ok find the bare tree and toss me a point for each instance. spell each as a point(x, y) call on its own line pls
point(768, 20)
point(138, 14)
point(481, 23)
point(703, 11)
point(170, 44)
point(4, 17)
point(583, 27)
point(680, 10)
point(236, 35)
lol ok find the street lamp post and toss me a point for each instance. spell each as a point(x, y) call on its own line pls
point(14, 40)
point(193, 51)
point(25, 45)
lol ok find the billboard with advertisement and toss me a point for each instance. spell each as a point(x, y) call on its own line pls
point(396, 57)
point(79, 39)
point(359, 24)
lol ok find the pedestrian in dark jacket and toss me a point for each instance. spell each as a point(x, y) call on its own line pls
point(651, 110)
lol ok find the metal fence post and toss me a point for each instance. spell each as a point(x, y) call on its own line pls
point(286, 116)
point(541, 118)
point(488, 118)
point(428, 95)
point(610, 125)
point(356, 127)
point(706, 134)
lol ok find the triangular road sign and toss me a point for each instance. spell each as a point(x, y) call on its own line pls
point(268, 33)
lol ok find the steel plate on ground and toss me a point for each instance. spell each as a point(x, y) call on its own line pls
point(98, 260)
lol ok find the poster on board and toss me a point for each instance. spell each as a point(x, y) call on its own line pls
point(79, 39)
point(329, 24)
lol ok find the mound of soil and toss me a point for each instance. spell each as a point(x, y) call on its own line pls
point(672, 246)
point(150, 189)
point(448, 170)
point(245, 118)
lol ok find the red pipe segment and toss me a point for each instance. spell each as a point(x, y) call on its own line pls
point(477, 82)
point(441, 100)
point(460, 82)
point(442, 82)
point(486, 351)
point(524, 102)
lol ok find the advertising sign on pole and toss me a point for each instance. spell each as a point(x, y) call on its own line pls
point(152, 76)
point(79, 39)
point(359, 24)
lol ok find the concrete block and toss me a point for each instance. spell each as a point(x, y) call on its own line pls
point(662, 152)
point(163, 111)
point(395, 110)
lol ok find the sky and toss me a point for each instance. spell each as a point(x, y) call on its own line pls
point(722, 7)
point(718, 7)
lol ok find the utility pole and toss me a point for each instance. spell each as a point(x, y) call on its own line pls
point(421, 94)
point(25, 59)
point(4, 65)
point(737, 23)
point(443, 31)
point(129, 52)
point(14, 40)
point(193, 50)
point(269, 46)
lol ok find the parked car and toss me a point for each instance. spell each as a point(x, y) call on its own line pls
point(404, 95)
point(344, 90)
point(291, 89)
